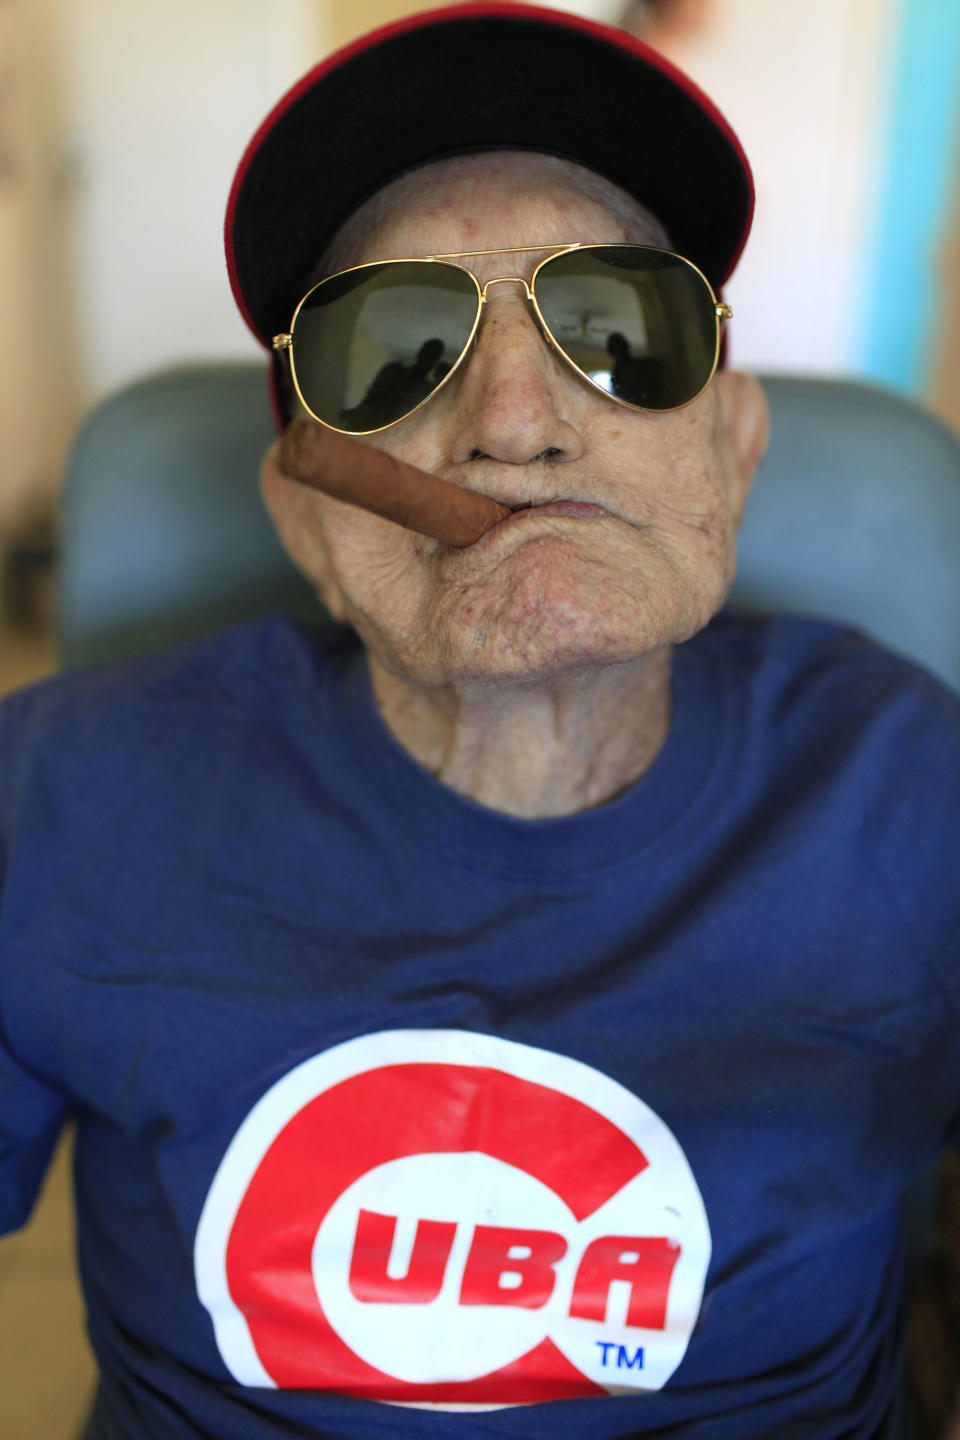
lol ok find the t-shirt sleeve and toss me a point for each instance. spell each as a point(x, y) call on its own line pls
point(31, 1115)
point(951, 979)
point(923, 870)
point(31, 1111)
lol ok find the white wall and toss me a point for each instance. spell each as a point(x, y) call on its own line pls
point(159, 100)
point(807, 88)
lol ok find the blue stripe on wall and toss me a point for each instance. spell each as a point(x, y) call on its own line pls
point(917, 194)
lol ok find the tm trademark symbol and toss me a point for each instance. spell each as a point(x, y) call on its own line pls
point(624, 1360)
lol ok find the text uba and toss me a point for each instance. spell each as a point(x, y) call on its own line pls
point(512, 1266)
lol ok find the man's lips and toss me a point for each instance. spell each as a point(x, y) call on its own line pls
point(574, 509)
point(521, 516)
point(563, 509)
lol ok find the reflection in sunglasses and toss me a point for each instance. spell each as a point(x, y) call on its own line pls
point(399, 387)
point(634, 375)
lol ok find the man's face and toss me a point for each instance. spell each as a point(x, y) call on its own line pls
point(642, 554)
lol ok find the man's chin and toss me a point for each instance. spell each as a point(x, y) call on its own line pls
point(533, 654)
point(539, 620)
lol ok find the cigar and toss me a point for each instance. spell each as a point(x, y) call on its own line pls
point(349, 470)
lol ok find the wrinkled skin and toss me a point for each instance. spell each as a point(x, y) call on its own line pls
point(531, 670)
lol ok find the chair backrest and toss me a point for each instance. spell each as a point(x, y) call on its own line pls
point(855, 515)
point(164, 535)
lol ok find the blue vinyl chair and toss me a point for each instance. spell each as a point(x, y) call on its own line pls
point(855, 516)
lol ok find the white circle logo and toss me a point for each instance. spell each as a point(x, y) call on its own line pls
point(435, 1216)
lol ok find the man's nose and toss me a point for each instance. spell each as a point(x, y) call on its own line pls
point(514, 402)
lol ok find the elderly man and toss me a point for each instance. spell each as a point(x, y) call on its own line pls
point(520, 1013)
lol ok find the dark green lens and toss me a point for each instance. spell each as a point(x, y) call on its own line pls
point(640, 323)
point(371, 344)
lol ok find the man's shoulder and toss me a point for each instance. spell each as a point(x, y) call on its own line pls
point(797, 661)
point(822, 705)
point(825, 713)
point(218, 665)
point(195, 686)
point(836, 732)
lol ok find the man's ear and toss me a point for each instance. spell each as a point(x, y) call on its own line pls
point(744, 422)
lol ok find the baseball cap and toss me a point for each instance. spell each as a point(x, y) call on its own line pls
point(467, 78)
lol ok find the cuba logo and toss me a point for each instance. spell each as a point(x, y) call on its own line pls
point(444, 1218)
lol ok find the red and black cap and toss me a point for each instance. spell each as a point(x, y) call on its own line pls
point(478, 77)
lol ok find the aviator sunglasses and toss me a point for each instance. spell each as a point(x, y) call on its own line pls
point(369, 346)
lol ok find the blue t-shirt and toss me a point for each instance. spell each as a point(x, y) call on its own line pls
point(398, 1116)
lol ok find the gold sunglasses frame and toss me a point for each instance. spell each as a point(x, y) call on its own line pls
point(283, 343)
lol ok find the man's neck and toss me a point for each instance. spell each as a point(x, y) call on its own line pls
point(533, 750)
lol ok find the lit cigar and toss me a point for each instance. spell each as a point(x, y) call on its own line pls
point(349, 470)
